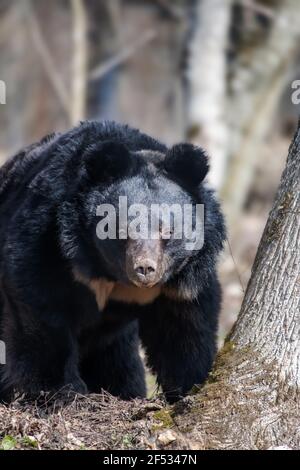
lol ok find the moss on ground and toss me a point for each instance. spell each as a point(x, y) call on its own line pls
point(164, 419)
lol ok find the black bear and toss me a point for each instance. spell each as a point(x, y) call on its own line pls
point(75, 301)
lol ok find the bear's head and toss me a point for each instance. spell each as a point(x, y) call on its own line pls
point(143, 210)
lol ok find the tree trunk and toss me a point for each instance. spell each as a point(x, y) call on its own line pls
point(252, 398)
point(80, 60)
point(207, 83)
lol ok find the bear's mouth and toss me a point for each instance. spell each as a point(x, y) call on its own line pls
point(144, 285)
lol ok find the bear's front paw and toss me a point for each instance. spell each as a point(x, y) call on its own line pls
point(172, 396)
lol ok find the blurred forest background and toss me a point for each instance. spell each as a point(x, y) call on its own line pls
point(218, 73)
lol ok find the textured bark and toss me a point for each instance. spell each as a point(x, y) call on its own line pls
point(252, 398)
point(270, 316)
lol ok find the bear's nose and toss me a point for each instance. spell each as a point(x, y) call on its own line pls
point(145, 269)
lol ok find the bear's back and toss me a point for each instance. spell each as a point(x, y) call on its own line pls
point(22, 168)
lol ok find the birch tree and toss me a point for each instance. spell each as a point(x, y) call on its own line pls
point(207, 83)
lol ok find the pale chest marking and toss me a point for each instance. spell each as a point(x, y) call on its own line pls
point(106, 290)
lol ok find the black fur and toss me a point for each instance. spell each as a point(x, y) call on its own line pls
point(53, 330)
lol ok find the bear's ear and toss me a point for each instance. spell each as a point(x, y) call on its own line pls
point(107, 160)
point(187, 163)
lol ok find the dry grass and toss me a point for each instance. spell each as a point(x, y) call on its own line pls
point(68, 421)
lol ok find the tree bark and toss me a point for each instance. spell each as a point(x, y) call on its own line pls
point(252, 398)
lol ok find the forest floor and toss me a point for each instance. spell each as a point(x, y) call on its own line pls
point(72, 422)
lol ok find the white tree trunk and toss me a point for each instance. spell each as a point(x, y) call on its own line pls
point(207, 83)
point(79, 70)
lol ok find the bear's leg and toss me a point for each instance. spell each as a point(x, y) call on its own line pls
point(180, 342)
point(41, 357)
point(116, 367)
